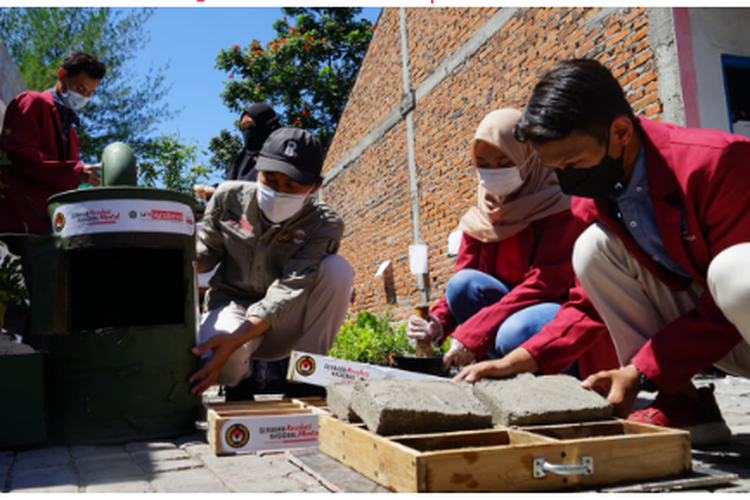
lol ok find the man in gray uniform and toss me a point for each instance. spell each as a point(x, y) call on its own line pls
point(279, 285)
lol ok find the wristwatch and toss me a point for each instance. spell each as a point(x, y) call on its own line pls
point(646, 383)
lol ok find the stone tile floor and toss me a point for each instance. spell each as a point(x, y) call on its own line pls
point(187, 464)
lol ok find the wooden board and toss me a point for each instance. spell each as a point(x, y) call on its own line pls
point(263, 425)
point(502, 459)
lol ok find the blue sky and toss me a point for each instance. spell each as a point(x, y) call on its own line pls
point(189, 39)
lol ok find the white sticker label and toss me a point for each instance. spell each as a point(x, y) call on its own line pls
point(123, 216)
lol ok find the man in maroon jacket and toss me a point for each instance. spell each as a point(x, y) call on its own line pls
point(39, 140)
point(666, 261)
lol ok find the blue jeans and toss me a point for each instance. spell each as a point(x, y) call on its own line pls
point(470, 291)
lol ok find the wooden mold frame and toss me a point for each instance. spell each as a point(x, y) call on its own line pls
point(510, 459)
point(250, 413)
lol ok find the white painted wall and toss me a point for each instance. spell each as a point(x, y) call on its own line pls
point(11, 83)
point(716, 32)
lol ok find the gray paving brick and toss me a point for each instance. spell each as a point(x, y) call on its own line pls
point(308, 482)
point(140, 446)
point(250, 484)
point(121, 486)
point(42, 458)
point(97, 452)
point(197, 449)
point(170, 465)
point(159, 455)
point(95, 472)
point(49, 479)
point(194, 480)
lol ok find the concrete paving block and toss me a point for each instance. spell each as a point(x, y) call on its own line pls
point(526, 399)
point(391, 406)
point(190, 439)
point(121, 486)
point(309, 483)
point(82, 453)
point(140, 446)
point(42, 458)
point(57, 479)
point(249, 484)
point(159, 455)
point(339, 400)
point(170, 465)
point(197, 449)
point(191, 481)
point(95, 472)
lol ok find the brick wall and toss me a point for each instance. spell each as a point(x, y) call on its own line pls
point(370, 186)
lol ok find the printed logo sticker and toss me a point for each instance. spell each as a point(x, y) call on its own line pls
point(299, 237)
point(237, 436)
point(305, 366)
point(59, 222)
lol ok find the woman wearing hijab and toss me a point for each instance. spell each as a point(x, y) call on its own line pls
point(256, 124)
point(513, 270)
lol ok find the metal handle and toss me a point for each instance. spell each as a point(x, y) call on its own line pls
point(201, 426)
point(541, 467)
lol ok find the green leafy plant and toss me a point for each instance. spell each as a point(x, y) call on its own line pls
point(370, 338)
point(12, 290)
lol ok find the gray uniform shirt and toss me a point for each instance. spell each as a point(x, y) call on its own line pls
point(263, 270)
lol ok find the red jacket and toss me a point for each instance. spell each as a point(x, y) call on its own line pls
point(699, 183)
point(536, 266)
point(33, 140)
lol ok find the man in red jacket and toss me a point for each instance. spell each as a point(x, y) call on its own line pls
point(39, 140)
point(666, 261)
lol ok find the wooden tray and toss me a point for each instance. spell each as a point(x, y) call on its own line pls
point(263, 425)
point(539, 458)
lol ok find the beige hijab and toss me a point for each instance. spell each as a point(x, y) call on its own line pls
point(496, 218)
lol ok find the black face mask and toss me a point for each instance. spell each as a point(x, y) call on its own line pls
point(597, 182)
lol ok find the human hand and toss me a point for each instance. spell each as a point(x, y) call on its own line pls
point(91, 174)
point(622, 386)
point(203, 192)
point(420, 329)
point(458, 354)
point(221, 346)
point(517, 361)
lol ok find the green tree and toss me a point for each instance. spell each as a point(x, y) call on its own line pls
point(126, 107)
point(306, 72)
point(168, 163)
point(225, 148)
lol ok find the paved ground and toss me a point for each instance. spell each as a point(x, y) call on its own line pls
point(187, 464)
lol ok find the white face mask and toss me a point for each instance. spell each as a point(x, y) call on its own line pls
point(500, 181)
point(278, 207)
point(74, 100)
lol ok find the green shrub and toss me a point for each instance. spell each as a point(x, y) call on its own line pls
point(12, 290)
point(370, 338)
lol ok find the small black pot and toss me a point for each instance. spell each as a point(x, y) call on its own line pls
point(432, 365)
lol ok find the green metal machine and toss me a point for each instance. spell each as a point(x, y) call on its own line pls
point(114, 309)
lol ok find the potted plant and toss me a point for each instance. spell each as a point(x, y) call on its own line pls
point(12, 290)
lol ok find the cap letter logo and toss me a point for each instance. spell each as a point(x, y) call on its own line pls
point(290, 150)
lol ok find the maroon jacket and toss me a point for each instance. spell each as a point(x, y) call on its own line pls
point(33, 140)
point(536, 266)
point(699, 183)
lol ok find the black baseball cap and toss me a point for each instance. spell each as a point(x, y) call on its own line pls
point(294, 152)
